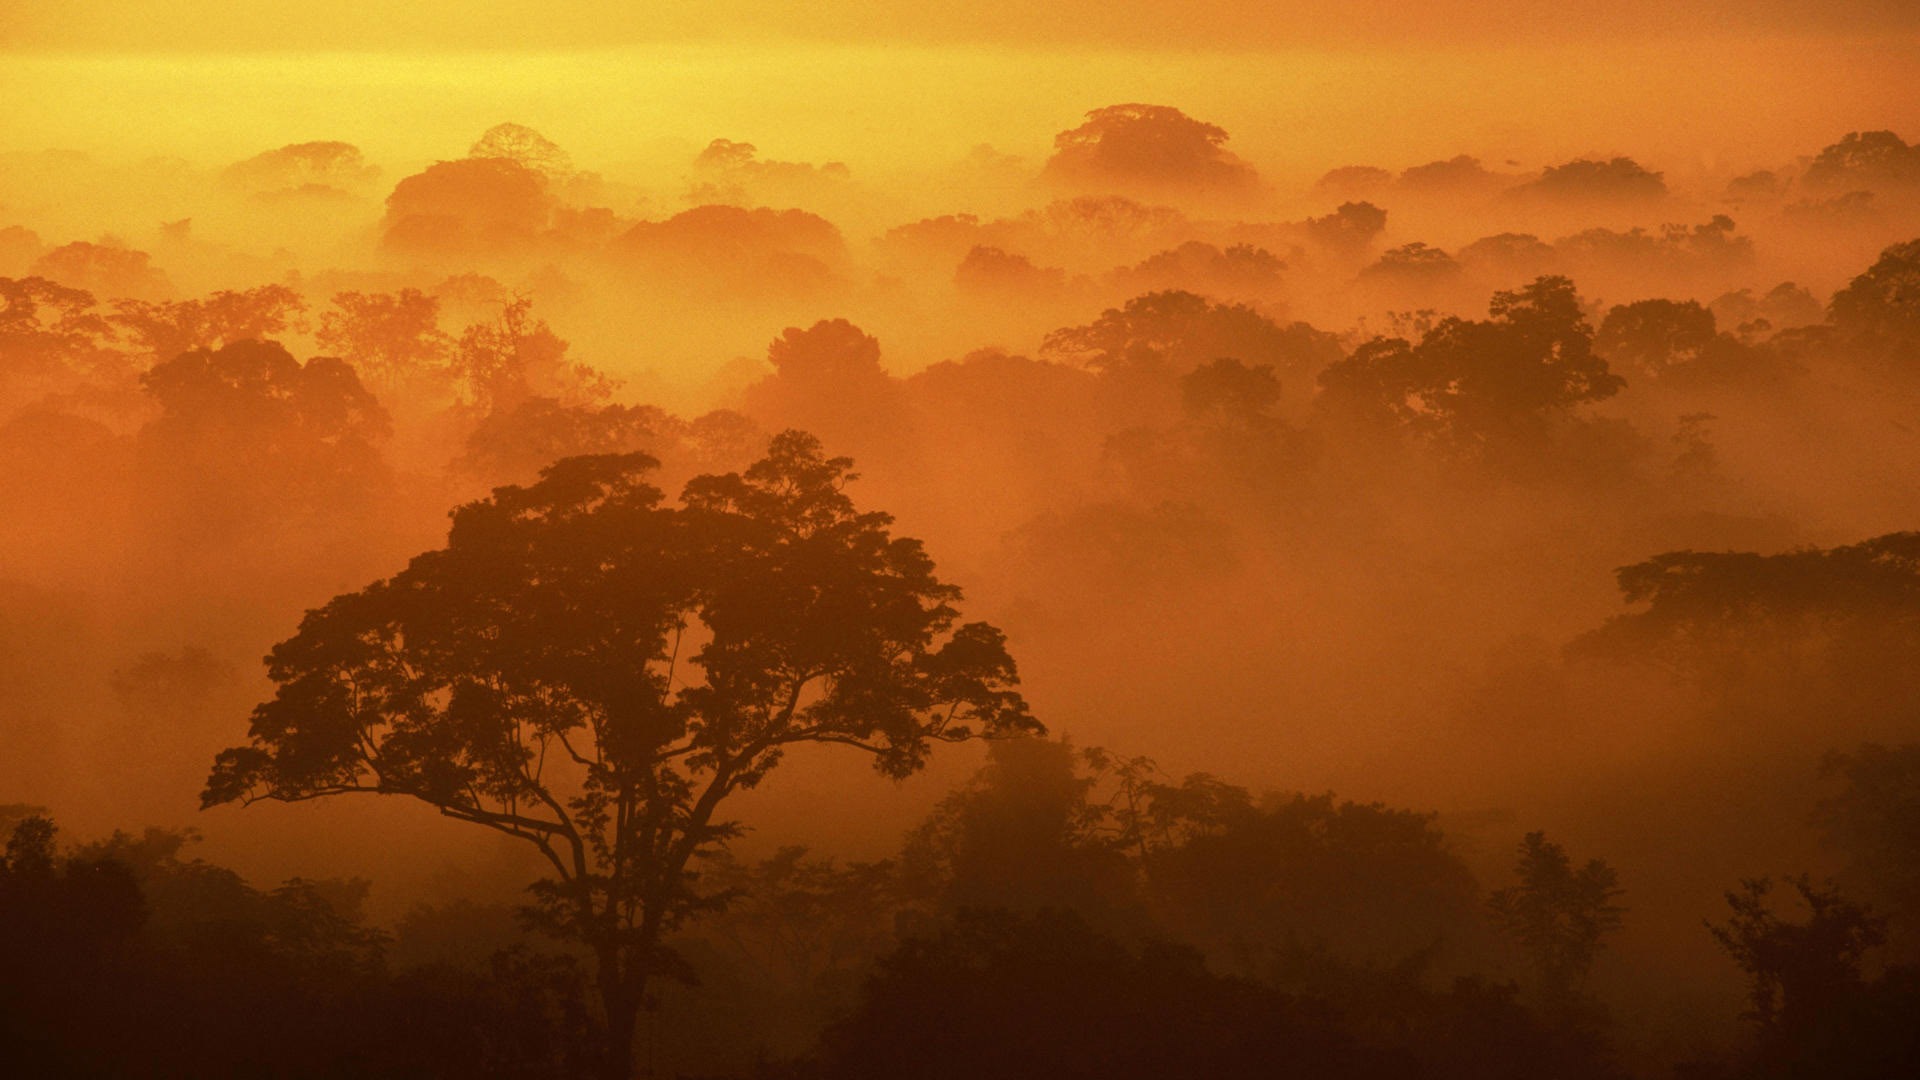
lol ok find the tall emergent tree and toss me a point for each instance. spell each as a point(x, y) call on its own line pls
point(593, 671)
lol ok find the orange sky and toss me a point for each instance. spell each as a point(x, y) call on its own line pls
point(201, 25)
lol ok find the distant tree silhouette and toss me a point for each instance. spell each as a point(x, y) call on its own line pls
point(165, 329)
point(247, 434)
point(501, 364)
point(109, 270)
point(537, 677)
point(1485, 387)
point(1653, 335)
point(1559, 915)
point(523, 146)
point(1020, 837)
point(52, 339)
point(1151, 148)
point(1618, 180)
point(1833, 625)
point(484, 206)
point(1865, 159)
point(1349, 230)
point(337, 166)
point(393, 340)
point(1171, 333)
point(1238, 271)
point(1873, 822)
point(1879, 310)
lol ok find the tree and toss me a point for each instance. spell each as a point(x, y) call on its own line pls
point(1832, 628)
point(594, 673)
point(516, 357)
point(1865, 159)
point(393, 340)
point(330, 165)
point(1619, 180)
point(1481, 387)
point(478, 205)
point(1799, 971)
point(1173, 332)
point(168, 328)
point(51, 339)
point(1558, 914)
point(1879, 310)
point(524, 146)
point(1874, 822)
point(1151, 148)
point(1654, 335)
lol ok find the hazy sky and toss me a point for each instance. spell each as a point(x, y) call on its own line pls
point(200, 25)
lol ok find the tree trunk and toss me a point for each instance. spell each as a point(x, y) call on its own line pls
point(622, 1005)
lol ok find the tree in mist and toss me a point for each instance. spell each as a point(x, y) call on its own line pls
point(1153, 148)
point(1558, 914)
point(339, 166)
point(105, 269)
point(523, 146)
point(1349, 230)
point(1238, 271)
point(476, 206)
point(1814, 1010)
point(1171, 333)
point(1307, 891)
point(500, 364)
point(1836, 626)
point(1480, 387)
point(1020, 837)
point(274, 430)
point(1652, 335)
point(1230, 443)
point(164, 329)
point(828, 378)
point(1879, 310)
point(1586, 180)
point(393, 340)
point(52, 339)
point(1873, 822)
point(1865, 159)
point(594, 673)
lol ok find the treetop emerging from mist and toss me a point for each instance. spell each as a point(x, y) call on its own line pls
point(1149, 149)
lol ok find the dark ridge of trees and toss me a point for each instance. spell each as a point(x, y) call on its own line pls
point(1722, 614)
point(1586, 180)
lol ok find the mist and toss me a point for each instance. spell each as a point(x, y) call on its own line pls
point(832, 539)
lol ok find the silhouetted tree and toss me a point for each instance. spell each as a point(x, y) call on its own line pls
point(1865, 159)
point(1485, 387)
point(393, 340)
point(1836, 625)
point(594, 673)
point(1874, 823)
point(1879, 310)
point(165, 329)
point(523, 146)
point(1560, 916)
point(1154, 148)
point(1814, 1011)
point(501, 364)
